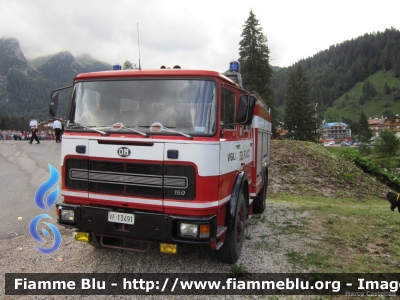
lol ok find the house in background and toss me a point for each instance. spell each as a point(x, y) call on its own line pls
point(335, 131)
point(376, 125)
point(393, 124)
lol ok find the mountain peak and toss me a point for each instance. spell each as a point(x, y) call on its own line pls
point(11, 47)
point(64, 55)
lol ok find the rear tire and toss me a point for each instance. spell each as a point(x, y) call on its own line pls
point(259, 200)
point(232, 247)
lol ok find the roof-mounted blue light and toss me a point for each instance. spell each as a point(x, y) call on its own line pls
point(117, 67)
point(234, 66)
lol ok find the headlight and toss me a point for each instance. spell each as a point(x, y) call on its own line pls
point(67, 215)
point(187, 229)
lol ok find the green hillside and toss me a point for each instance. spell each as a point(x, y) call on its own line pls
point(336, 71)
point(384, 103)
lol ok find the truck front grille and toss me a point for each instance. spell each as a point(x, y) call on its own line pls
point(142, 180)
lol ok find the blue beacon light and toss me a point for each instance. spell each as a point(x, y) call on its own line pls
point(117, 67)
point(234, 66)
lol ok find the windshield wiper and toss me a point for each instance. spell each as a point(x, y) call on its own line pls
point(114, 127)
point(158, 127)
point(178, 132)
point(118, 126)
point(77, 125)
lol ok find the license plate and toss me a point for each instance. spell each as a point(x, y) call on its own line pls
point(123, 218)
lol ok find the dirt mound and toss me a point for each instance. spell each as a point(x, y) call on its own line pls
point(308, 169)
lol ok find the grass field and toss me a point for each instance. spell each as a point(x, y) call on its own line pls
point(347, 235)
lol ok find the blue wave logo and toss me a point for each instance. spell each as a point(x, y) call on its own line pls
point(45, 187)
point(35, 234)
point(45, 203)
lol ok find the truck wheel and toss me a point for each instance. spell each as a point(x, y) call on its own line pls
point(259, 200)
point(232, 247)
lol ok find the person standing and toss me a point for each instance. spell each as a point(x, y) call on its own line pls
point(57, 130)
point(33, 125)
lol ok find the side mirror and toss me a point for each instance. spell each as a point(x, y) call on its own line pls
point(241, 114)
point(245, 111)
point(53, 105)
point(252, 105)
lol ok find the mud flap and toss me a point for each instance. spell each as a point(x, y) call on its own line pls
point(240, 181)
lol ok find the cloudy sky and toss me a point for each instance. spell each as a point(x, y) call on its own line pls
point(194, 34)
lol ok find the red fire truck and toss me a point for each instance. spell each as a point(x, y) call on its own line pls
point(166, 156)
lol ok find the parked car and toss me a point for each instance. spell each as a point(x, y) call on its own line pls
point(344, 144)
point(329, 144)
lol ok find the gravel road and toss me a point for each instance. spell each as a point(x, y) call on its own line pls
point(24, 168)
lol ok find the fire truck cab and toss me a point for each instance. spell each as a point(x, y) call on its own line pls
point(166, 156)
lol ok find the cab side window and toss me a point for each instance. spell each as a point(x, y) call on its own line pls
point(228, 105)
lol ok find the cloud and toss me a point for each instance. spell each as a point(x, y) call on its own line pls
point(195, 34)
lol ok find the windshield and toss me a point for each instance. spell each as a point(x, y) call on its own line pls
point(187, 106)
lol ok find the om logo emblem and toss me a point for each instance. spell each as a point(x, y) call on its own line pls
point(124, 152)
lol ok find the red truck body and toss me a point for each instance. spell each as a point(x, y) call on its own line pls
point(168, 156)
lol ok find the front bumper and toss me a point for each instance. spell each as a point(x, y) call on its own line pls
point(147, 226)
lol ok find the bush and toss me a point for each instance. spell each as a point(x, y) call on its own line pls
point(368, 166)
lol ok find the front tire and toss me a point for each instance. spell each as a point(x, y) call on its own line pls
point(232, 247)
